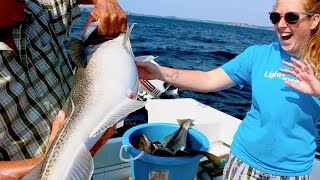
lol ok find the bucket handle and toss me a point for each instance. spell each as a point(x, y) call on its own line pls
point(129, 160)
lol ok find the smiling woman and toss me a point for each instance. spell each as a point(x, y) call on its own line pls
point(300, 34)
point(298, 25)
point(276, 139)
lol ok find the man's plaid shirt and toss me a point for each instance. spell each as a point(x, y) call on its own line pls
point(36, 80)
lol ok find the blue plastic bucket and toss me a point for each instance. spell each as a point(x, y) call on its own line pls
point(146, 166)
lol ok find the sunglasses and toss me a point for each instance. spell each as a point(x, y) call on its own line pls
point(289, 17)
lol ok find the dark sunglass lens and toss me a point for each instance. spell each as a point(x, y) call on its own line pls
point(291, 17)
point(275, 17)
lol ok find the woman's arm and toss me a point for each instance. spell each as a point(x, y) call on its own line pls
point(200, 81)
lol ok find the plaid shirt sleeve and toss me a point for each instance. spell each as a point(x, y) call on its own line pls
point(36, 80)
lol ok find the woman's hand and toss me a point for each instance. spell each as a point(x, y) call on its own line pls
point(308, 84)
point(149, 71)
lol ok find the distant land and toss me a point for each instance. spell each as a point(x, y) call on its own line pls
point(87, 8)
point(239, 24)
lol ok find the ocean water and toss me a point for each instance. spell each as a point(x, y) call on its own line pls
point(195, 45)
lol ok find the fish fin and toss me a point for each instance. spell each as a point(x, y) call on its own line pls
point(68, 107)
point(192, 124)
point(144, 58)
point(34, 173)
point(89, 29)
point(77, 51)
point(82, 167)
point(119, 112)
point(126, 40)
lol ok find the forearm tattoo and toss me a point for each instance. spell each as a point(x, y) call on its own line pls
point(173, 77)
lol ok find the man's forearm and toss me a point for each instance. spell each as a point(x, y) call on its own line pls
point(17, 169)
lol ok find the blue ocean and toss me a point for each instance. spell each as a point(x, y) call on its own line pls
point(197, 45)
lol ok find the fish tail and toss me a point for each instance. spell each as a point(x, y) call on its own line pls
point(191, 123)
point(182, 121)
point(77, 51)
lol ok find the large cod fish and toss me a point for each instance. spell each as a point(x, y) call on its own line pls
point(103, 94)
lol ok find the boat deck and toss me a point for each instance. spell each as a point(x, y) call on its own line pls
point(219, 127)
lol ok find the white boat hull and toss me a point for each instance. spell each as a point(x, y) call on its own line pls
point(219, 127)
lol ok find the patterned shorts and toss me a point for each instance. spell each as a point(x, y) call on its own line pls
point(235, 169)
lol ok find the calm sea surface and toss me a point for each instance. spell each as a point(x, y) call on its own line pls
point(195, 45)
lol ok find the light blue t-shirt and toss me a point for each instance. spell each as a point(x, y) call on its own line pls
point(277, 136)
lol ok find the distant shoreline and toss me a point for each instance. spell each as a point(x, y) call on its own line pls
point(238, 24)
point(87, 8)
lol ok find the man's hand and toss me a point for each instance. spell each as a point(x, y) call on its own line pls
point(58, 124)
point(17, 169)
point(56, 127)
point(112, 21)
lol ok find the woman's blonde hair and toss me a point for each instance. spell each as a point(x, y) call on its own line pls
point(311, 50)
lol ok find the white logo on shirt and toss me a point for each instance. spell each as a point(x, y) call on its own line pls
point(277, 74)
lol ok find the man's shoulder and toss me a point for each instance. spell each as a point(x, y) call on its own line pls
point(53, 8)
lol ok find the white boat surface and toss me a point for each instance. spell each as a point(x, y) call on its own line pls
point(218, 126)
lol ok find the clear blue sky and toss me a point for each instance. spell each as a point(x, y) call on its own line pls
point(254, 12)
